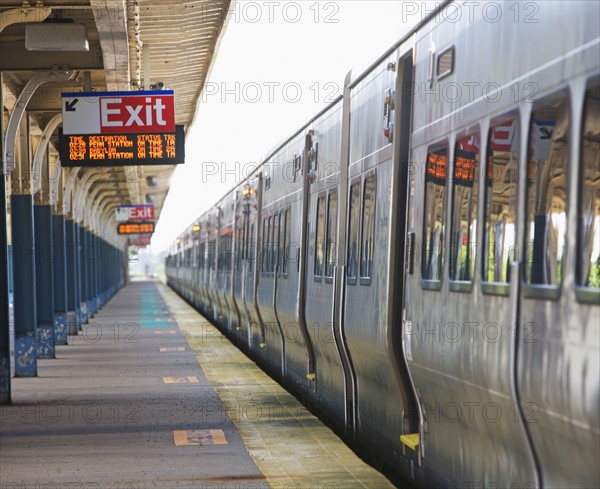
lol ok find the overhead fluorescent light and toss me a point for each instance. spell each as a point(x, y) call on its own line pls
point(59, 36)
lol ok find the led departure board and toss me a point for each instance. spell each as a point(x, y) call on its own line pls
point(122, 149)
point(135, 228)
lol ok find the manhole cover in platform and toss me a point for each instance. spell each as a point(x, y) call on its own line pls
point(199, 437)
point(171, 348)
point(181, 380)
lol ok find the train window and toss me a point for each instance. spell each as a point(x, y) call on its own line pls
point(263, 266)
point(436, 170)
point(353, 231)
point(588, 266)
point(368, 229)
point(331, 250)
point(275, 243)
point(319, 236)
point(546, 201)
point(461, 257)
point(501, 185)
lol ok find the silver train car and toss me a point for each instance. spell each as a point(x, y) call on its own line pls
point(420, 263)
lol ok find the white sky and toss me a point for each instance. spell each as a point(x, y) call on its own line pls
point(278, 64)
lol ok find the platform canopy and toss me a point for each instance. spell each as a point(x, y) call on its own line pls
point(132, 45)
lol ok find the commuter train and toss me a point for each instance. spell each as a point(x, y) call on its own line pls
point(420, 263)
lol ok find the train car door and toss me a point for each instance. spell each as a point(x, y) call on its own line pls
point(558, 355)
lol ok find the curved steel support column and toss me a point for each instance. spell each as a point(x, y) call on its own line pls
point(40, 152)
point(17, 114)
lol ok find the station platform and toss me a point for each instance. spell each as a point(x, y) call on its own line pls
point(150, 395)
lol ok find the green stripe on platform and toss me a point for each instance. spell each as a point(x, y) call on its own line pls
point(153, 314)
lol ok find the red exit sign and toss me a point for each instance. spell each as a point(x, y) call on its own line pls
point(118, 112)
point(135, 213)
point(152, 113)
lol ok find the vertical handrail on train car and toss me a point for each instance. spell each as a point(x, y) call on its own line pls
point(412, 415)
point(337, 319)
point(234, 259)
point(275, 283)
point(339, 274)
point(301, 300)
point(514, 285)
point(258, 259)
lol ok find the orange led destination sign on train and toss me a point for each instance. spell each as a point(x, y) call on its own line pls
point(135, 228)
point(122, 149)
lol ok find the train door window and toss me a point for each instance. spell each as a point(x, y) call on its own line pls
point(201, 250)
point(500, 205)
point(436, 170)
point(319, 237)
point(546, 200)
point(246, 239)
point(275, 243)
point(461, 257)
point(222, 252)
point(229, 251)
point(368, 230)
point(287, 241)
point(239, 247)
point(588, 255)
point(281, 252)
point(251, 252)
point(269, 246)
point(264, 248)
point(331, 250)
point(353, 232)
point(212, 249)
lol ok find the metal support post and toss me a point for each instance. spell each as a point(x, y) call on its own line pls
point(60, 280)
point(72, 279)
point(5, 360)
point(83, 266)
point(44, 280)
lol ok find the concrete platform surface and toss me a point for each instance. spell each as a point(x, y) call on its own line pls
point(126, 405)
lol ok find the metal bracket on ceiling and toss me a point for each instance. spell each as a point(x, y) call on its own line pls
point(24, 14)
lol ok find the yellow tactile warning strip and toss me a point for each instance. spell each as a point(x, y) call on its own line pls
point(189, 438)
point(181, 380)
point(165, 332)
point(163, 349)
point(288, 444)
